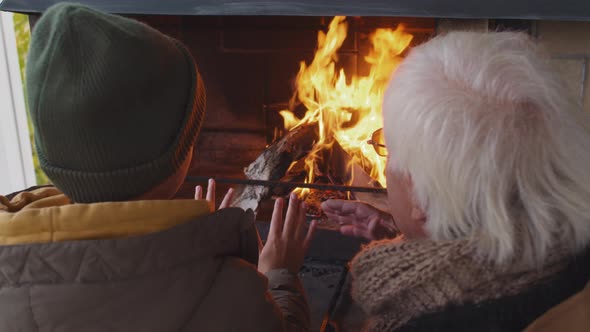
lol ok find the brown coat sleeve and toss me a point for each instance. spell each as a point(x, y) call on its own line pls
point(571, 315)
point(238, 300)
point(285, 289)
point(284, 292)
point(288, 293)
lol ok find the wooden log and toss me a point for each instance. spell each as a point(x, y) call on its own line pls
point(273, 163)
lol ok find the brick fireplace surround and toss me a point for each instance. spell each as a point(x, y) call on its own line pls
point(249, 62)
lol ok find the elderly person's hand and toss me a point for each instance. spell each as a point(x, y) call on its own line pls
point(360, 219)
point(288, 240)
point(210, 197)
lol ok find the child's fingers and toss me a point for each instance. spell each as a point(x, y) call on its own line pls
point(300, 227)
point(276, 221)
point(309, 236)
point(229, 195)
point(291, 218)
point(198, 192)
point(211, 192)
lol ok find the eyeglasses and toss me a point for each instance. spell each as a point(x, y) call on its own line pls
point(378, 142)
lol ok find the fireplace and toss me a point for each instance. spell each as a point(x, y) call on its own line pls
point(249, 65)
point(249, 54)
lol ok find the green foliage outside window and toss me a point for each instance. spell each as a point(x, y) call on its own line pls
point(23, 36)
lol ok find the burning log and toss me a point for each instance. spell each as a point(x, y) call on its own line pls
point(274, 162)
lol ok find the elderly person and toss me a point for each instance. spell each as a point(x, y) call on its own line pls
point(117, 107)
point(488, 182)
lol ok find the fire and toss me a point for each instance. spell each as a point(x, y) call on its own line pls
point(347, 110)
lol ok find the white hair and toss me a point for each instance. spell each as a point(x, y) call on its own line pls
point(497, 151)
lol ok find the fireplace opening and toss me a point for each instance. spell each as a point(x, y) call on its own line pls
point(333, 111)
point(264, 73)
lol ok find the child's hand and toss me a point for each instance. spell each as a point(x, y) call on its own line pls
point(287, 241)
point(211, 195)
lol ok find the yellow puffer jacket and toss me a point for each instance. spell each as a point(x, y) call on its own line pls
point(137, 266)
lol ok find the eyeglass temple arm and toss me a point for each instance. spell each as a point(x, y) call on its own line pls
point(375, 143)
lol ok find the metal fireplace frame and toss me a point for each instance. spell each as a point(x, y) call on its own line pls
point(572, 10)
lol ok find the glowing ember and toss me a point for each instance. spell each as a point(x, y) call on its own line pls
point(346, 112)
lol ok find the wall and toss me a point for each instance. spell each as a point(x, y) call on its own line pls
point(16, 163)
point(569, 46)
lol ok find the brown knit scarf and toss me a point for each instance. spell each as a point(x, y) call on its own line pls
point(395, 282)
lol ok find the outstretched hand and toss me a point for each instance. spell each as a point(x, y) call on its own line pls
point(360, 219)
point(288, 240)
point(210, 197)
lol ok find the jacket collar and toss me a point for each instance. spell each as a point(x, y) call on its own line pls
point(46, 215)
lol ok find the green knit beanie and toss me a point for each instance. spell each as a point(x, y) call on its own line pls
point(115, 104)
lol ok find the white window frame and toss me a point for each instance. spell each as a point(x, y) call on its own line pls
point(16, 161)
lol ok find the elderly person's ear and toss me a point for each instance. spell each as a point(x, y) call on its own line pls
point(408, 213)
point(417, 214)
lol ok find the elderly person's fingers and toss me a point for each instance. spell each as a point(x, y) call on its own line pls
point(373, 230)
point(377, 230)
point(348, 208)
point(374, 227)
point(348, 212)
point(348, 230)
point(360, 219)
point(340, 211)
point(338, 207)
point(198, 192)
point(339, 219)
point(229, 195)
point(357, 231)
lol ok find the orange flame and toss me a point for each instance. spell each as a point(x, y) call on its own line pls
point(346, 112)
